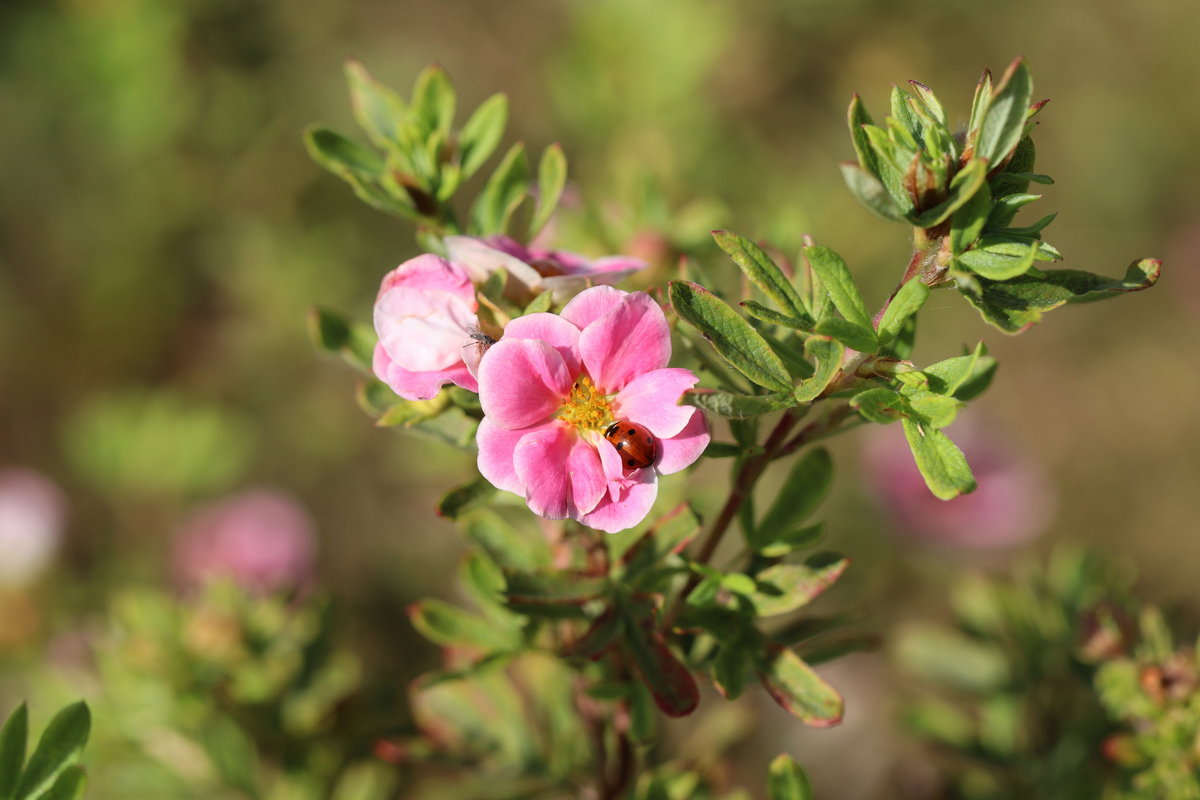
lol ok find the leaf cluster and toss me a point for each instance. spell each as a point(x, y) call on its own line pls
point(52, 771)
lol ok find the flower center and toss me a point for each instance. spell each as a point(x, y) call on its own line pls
point(586, 408)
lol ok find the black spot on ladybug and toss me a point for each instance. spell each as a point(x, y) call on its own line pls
point(634, 442)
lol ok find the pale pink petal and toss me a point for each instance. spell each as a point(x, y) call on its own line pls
point(631, 507)
point(592, 304)
point(631, 339)
point(496, 448)
point(433, 273)
point(682, 449)
point(522, 382)
point(423, 329)
point(551, 329)
point(614, 470)
point(480, 261)
point(652, 399)
point(419, 385)
point(560, 472)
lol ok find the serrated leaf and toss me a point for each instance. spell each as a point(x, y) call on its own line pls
point(334, 334)
point(732, 336)
point(670, 682)
point(940, 461)
point(879, 405)
point(552, 592)
point(871, 192)
point(482, 133)
point(763, 272)
point(13, 739)
point(377, 109)
point(552, 177)
point(60, 747)
point(802, 491)
point(787, 587)
point(848, 333)
point(794, 686)
point(786, 781)
point(1004, 120)
point(827, 356)
point(835, 276)
point(464, 497)
point(963, 187)
point(504, 191)
point(908, 301)
point(450, 626)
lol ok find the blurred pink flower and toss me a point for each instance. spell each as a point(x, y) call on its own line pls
point(538, 270)
point(33, 513)
point(425, 317)
point(553, 385)
point(1012, 504)
point(262, 540)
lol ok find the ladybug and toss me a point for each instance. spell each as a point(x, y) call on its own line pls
point(636, 445)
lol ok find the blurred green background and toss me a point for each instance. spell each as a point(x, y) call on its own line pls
point(163, 232)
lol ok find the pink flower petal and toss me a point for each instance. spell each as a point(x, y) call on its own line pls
point(496, 448)
point(560, 471)
point(682, 449)
point(631, 339)
point(419, 385)
point(432, 273)
point(551, 329)
point(522, 382)
point(629, 508)
point(480, 261)
point(592, 304)
point(652, 399)
point(423, 329)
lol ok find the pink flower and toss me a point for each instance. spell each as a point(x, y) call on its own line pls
point(32, 515)
point(537, 270)
point(553, 385)
point(1011, 505)
point(262, 540)
point(425, 317)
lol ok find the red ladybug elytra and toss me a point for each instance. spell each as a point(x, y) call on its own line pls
point(635, 444)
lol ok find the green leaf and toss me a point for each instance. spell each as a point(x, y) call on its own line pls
point(963, 187)
point(669, 535)
point(763, 272)
point(334, 334)
point(729, 669)
point(731, 335)
point(998, 265)
point(1015, 305)
point(786, 587)
point(879, 405)
point(761, 312)
point(60, 747)
point(856, 118)
point(553, 592)
point(932, 410)
point(464, 497)
point(929, 101)
point(670, 682)
point(949, 657)
point(798, 539)
point(340, 155)
point(539, 304)
point(969, 220)
point(482, 133)
point(433, 102)
point(964, 377)
point(738, 406)
point(786, 781)
point(869, 191)
point(848, 333)
point(908, 301)
point(69, 786)
point(802, 491)
point(552, 177)
point(940, 461)
point(450, 626)
point(827, 356)
point(835, 276)
point(504, 191)
point(799, 690)
point(377, 109)
point(1004, 120)
point(13, 738)
point(509, 547)
point(979, 105)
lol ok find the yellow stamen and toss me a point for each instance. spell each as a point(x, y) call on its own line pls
point(586, 408)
